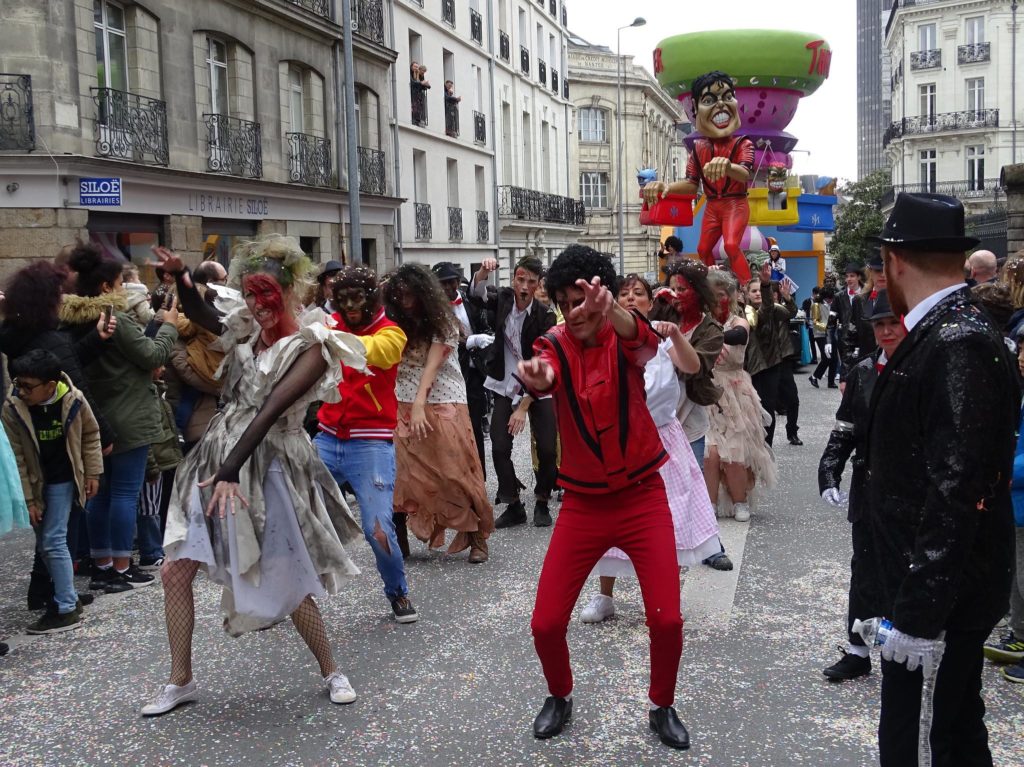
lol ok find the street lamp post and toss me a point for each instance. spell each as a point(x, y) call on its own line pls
point(637, 22)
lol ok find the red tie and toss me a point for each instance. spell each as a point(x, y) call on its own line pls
point(457, 301)
point(874, 294)
point(879, 367)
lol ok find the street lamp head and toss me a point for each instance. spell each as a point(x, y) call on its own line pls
point(639, 21)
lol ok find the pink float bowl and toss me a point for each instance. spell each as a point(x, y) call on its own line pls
point(761, 109)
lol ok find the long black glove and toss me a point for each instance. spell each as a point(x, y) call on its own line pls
point(195, 307)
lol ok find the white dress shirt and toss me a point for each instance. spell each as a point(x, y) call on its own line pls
point(917, 314)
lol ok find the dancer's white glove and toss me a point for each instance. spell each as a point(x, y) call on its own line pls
point(914, 651)
point(479, 341)
point(833, 496)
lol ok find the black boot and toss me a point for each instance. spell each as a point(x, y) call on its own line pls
point(670, 730)
point(40, 590)
point(552, 718)
point(848, 667)
point(541, 515)
point(402, 533)
point(514, 515)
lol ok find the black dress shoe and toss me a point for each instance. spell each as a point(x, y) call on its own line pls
point(670, 730)
point(814, 381)
point(795, 440)
point(541, 515)
point(514, 515)
point(848, 667)
point(552, 717)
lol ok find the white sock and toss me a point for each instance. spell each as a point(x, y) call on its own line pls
point(652, 705)
point(859, 650)
point(568, 697)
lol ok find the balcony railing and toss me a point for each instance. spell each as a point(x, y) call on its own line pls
point(235, 146)
point(504, 46)
point(554, 81)
point(310, 159)
point(476, 26)
point(973, 53)
point(483, 226)
point(524, 59)
point(542, 71)
point(455, 224)
point(372, 172)
point(565, 89)
point(424, 227)
point(479, 128)
point(451, 117)
point(368, 19)
point(17, 124)
point(929, 59)
point(319, 7)
point(531, 205)
point(419, 104)
point(964, 190)
point(130, 127)
point(947, 121)
point(448, 12)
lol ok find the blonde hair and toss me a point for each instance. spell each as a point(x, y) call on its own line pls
point(276, 255)
point(1013, 278)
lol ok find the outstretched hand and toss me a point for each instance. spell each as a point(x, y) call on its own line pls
point(536, 374)
point(224, 495)
point(596, 299)
point(169, 261)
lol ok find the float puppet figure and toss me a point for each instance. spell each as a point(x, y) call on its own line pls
point(721, 164)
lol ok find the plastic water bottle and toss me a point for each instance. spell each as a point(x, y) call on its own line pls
point(874, 631)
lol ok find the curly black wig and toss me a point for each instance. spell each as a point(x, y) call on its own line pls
point(432, 317)
point(705, 81)
point(578, 262)
point(696, 275)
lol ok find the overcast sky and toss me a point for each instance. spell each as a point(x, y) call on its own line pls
point(825, 123)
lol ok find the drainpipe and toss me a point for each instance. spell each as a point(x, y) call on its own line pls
point(339, 135)
point(494, 122)
point(396, 143)
point(351, 133)
point(1013, 84)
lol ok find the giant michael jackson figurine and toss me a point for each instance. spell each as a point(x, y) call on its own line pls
point(721, 165)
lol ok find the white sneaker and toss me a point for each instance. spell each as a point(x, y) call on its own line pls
point(340, 687)
point(170, 697)
point(742, 511)
point(601, 608)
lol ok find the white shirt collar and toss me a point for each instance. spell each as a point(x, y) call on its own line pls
point(917, 314)
point(515, 309)
point(882, 359)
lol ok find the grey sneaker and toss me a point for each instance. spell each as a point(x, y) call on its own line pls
point(404, 611)
point(54, 622)
point(169, 698)
point(340, 688)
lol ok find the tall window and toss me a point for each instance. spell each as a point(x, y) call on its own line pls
point(975, 89)
point(976, 168)
point(593, 125)
point(217, 65)
point(926, 39)
point(926, 172)
point(111, 45)
point(296, 107)
point(927, 96)
point(975, 29)
point(594, 189)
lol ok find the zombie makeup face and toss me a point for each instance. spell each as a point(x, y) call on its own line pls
point(718, 114)
point(352, 303)
point(524, 283)
point(450, 288)
point(583, 326)
point(265, 300)
point(686, 300)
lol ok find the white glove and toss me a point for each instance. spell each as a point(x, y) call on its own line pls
point(914, 651)
point(828, 350)
point(833, 496)
point(479, 341)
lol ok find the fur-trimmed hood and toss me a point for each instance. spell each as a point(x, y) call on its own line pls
point(77, 310)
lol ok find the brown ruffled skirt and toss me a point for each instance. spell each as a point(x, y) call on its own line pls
point(439, 482)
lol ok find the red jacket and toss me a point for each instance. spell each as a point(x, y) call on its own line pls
point(368, 407)
point(609, 440)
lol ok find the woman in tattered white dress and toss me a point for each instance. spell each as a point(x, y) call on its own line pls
point(253, 504)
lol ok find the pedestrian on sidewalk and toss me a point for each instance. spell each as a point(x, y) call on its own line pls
point(593, 366)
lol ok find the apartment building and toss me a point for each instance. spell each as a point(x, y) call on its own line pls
point(874, 101)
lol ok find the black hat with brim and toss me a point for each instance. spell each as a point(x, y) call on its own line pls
point(882, 309)
point(875, 261)
point(446, 271)
point(921, 221)
point(329, 268)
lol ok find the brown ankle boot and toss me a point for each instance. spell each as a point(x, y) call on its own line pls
point(477, 548)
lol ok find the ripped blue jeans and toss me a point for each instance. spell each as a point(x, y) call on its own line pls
point(368, 465)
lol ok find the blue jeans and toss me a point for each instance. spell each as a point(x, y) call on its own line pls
point(112, 511)
point(368, 465)
point(52, 543)
point(698, 451)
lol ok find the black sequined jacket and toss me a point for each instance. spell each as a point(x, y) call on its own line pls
point(847, 437)
point(940, 445)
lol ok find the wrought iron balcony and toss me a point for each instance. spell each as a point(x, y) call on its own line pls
point(319, 7)
point(17, 124)
point(130, 127)
point(483, 226)
point(448, 12)
point(368, 19)
point(419, 104)
point(451, 117)
point(565, 89)
point(455, 224)
point(973, 53)
point(372, 172)
point(970, 119)
point(969, 189)
point(479, 128)
point(504, 46)
point(929, 59)
point(476, 26)
point(309, 159)
point(531, 205)
point(524, 59)
point(542, 71)
point(554, 81)
point(236, 146)
point(424, 226)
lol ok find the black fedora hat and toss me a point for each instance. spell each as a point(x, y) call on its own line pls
point(921, 221)
point(875, 259)
point(882, 309)
point(445, 270)
point(329, 268)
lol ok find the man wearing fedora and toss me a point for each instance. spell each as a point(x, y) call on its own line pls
point(325, 285)
point(857, 340)
point(938, 512)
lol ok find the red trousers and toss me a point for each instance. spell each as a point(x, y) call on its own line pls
point(726, 218)
point(639, 522)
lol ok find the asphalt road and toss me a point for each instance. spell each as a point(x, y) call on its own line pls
point(462, 685)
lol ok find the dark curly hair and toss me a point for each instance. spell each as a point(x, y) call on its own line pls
point(578, 262)
point(705, 81)
point(432, 318)
point(358, 276)
point(33, 297)
point(93, 267)
point(696, 275)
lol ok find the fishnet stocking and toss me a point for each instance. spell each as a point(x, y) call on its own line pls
point(310, 625)
point(180, 613)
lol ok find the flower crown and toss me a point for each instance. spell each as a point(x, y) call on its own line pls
point(274, 254)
